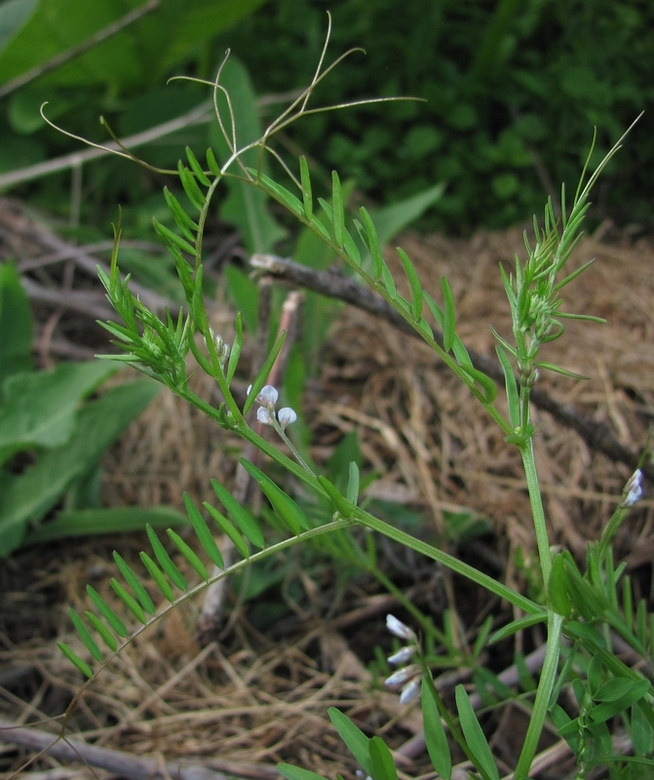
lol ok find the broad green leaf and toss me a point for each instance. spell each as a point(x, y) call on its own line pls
point(474, 735)
point(291, 772)
point(602, 712)
point(143, 53)
point(383, 766)
point(641, 731)
point(614, 689)
point(354, 738)
point(30, 495)
point(435, 738)
point(16, 329)
point(13, 15)
point(390, 220)
point(40, 407)
point(590, 634)
point(59, 25)
point(111, 520)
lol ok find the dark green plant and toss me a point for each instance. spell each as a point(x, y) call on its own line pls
point(511, 89)
point(52, 436)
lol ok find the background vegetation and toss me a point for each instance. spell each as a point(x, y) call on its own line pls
point(512, 90)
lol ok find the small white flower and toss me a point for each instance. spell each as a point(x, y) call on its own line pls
point(410, 691)
point(403, 655)
point(397, 628)
point(264, 415)
point(402, 676)
point(286, 416)
point(268, 396)
point(634, 488)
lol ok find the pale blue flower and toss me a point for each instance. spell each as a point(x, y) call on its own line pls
point(403, 655)
point(286, 416)
point(410, 691)
point(634, 489)
point(398, 628)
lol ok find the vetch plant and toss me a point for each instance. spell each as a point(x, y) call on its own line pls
point(581, 610)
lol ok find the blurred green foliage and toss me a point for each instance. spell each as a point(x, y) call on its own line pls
point(53, 434)
point(513, 90)
point(122, 79)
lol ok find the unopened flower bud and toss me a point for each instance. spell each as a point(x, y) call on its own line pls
point(410, 691)
point(633, 489)
point(403, 655)
point(402, 676)
point(397, 628)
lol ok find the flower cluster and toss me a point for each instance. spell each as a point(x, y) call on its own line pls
point(266, 414)
point(406, 679)
point(222, 348)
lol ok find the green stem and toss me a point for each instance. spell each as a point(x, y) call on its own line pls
point(543, 696)
point(452, 563)
point(282, 435)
